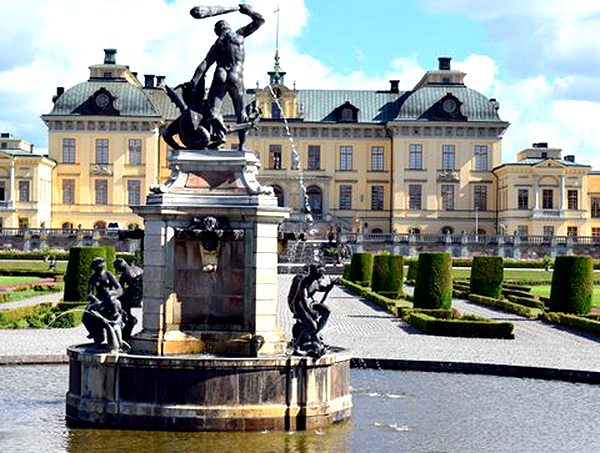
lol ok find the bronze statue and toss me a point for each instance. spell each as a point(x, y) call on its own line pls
point(103, 316)
point(310, 315)
point(131, 280)
point(228, 54)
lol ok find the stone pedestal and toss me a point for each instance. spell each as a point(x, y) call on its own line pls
point(222, 301)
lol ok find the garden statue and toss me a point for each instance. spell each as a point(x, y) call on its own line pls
point(103, 316)
point(131, 280)
point(310, 316)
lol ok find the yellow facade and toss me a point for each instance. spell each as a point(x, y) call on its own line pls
point(25, 185)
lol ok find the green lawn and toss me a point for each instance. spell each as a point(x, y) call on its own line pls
point(516, 274)
point(544, 291)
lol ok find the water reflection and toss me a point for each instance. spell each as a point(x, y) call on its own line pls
point(393, 411)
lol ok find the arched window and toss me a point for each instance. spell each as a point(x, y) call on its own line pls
point(315, 199)
point(447, 230)
point(67, 227)
point(278, 191)
point(376, 231)
point(415, 231)
point(347, 114)
point(100, 225)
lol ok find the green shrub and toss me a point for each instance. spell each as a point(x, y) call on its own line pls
point(527, 301)
point(361, 268)
point(504, 305)
point(464, 327)
point(572, 285)
point(413, 266)
point(569, 320)
point(433, 287)
point(516, 292)
point(387, 277)
point(346, 273)
point(487, 274)
point(394, 306)
point(79, 270)
point(111, 255)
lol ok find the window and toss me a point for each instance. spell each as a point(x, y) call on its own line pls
point(595, 208)
point(480, 198)
point(377, 158)
point(345, 158)
point(547, 199)
point(314, 157)
point(2, 191)
point(572, 231)
point(135, 152)
point(68, 191)
point(377, 198)
point(101, 189)
point(481, 157)
point(102, 151)
point(315, 199)
point(275, 157)
point(278, 192)
point(100, 225)
point(23, 223)
point(345, 198)
point(67, 227)
point(572, 199)
point(415, 157)
point(275, 110)
point(596, 232)
point(134, 192)
point(523, 199)
point(24, 191)
point(414, 196)
point(448, 155)
point(448, 198)
point(447, 230)
point(548, 231)
point(347, 114)
point(68, 150)
point(523, 230)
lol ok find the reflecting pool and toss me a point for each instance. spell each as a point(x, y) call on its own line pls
point(393, 411)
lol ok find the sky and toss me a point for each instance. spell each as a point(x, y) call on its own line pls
point(539, 58)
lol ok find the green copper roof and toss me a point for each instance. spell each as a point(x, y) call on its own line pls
point(130, 99)
point(475, 106)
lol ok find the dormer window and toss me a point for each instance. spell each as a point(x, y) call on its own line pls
point(347, 113)
point(544, 155)
point(107, 74)
point(275, 110)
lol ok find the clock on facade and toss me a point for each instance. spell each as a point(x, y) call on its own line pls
point(102, 100)
point(449, 106)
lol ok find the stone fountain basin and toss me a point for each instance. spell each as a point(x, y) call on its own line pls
point(207, 393)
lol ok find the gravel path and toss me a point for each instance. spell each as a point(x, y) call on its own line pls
point(373, 333)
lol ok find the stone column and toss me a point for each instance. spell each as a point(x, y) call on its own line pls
point(561, 204)
point(412, 245)
point(536, 194)
point(359, 243)
point(517, 248)
point(12, 190)
point(569, 246)
point(553, 247)
point(501, 250)
point(464, 249)
point(396, 244)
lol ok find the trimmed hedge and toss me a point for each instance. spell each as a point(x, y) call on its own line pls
point(504, 305)
point(569, 320)
point(388, 273)
point(346, 273)
point(394, 306)
point(572, 285)
point(413, 266)
point(433, 287)
point(41, 316)
point(471, 326)
point(79, 271)
point(30, 273)
point(527, 302)
point(361, 268)
point(487, 274)
point(37, 255)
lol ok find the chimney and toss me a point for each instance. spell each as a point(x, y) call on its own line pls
point(394, 86)
point(59, 92)
point(444, 63)
point(148, 80)
point(134, 74)
point(5, 135)
point(110, 56)
point(540, 145)
point(570, 158)
point(160, 79)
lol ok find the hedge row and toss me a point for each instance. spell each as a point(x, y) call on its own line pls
point(432, 325)
point(433, 287)
point(37, 255)
point(504, 305)
point(569, 320)
point(388, 275)
point(394, 306)
point(361, 268)
point(30, 273)
point(527, 302)
point(41, 316)
point(79, 270)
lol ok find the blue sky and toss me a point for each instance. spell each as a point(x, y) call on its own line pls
point(539, 58)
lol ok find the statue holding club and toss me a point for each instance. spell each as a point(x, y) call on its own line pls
point(201, 121)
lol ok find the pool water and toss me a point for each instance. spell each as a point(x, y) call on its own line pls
point(394, 411)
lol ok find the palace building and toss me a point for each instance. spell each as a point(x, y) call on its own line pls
point(427, 160)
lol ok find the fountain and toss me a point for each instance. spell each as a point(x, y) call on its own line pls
point(209, 356)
